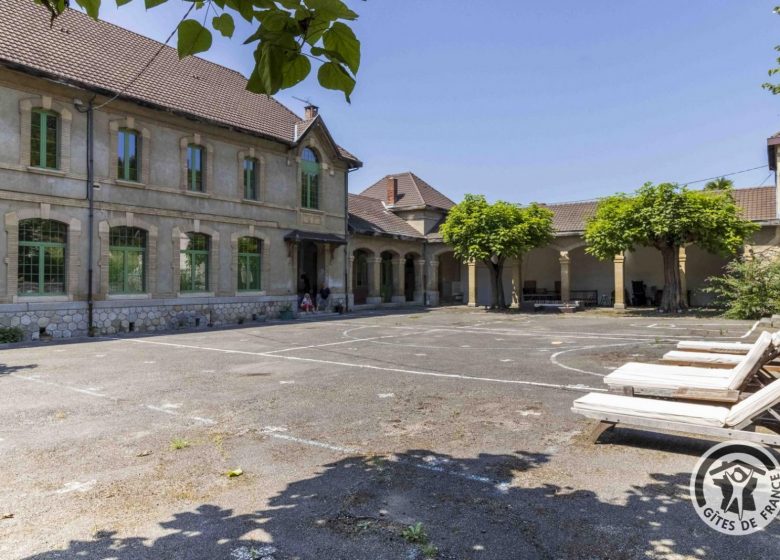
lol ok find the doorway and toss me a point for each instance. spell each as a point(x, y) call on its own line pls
point(308, 254)
point(409, 278)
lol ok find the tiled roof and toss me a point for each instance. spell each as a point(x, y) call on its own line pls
point(412, 192)
point(104, 57)
point(370, 217)
point(757, 203)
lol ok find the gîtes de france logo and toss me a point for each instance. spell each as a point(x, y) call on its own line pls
point(735, 487)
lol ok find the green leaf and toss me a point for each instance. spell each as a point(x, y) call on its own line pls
point(152, 3)
point(193, 38)
point(341, 39)
point(92, 7)
point(224, 24)
point(122, 2)
point(267, 77)
point(274, 20)
point(243, 7)
point(331, 9)
point(295, 71)
point(332, 75)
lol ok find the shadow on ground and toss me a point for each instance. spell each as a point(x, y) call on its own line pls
point(494, 507)
point(5, 369)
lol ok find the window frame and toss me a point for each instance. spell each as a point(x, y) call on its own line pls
point(192, 181)
point(127, 250)
point(195, 252)
point(42, 246)
point(40, 115)
point(123, 171)
point(311, 170)
point(247, 257)
point(251, 177)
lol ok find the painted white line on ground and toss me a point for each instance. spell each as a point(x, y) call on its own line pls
point(350, 341)
point(77, 487)
point(554, 357)
point(432, 465)
point(570, 387)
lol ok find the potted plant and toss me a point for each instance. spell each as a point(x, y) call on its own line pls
point(286, 312)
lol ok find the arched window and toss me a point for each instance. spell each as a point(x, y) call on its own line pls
point(128, 154)
point(194, 262)
point(42, 250)
point(44, 138)
point(249, 263)
point(127, 260)
point(310, 179)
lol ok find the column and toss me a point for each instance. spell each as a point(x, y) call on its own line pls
point(683, 280)
point(350, 296)
point(375, 278)
point(619, 282)
point(472, 283)
point(419, 276)
point(433, 282)
point(565, 280)
point(517, 283)
point(399, 294)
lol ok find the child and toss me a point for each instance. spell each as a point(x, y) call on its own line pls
point(306, 303)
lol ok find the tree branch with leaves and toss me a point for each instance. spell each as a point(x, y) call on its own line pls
point(493, 233)
point(290, 34)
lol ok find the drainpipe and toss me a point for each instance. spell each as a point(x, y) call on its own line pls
point(89, 110)
point(346, 238)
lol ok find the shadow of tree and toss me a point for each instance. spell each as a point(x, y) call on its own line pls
point(497, 507)
point(5, 369)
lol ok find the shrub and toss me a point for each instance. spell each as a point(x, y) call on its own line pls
point(11, 334)
point(748, 289)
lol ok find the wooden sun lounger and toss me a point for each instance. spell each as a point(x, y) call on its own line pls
point(718, 346)
point(696, 383)
point(707, 359)
point(738, 422)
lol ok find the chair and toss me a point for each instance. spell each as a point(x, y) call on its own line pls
point(709, 346)
point(695, 383)
point(737, 422)
point(706, 359)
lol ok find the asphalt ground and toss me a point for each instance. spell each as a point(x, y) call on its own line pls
point(347, 431)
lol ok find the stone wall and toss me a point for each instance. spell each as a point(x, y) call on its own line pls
point(69, 319)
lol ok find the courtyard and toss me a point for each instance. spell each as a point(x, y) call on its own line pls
point(343, 433)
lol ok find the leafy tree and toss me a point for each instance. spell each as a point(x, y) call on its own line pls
point(720, 184)
point(774, 88)
point(667, 217)
point(493, 233)
point(289, 35)
point(748, 289)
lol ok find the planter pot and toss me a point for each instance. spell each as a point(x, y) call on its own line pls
point(286, 315)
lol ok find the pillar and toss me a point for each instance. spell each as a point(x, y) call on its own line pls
point(620, 302)
point(517, 283)
point(433, 281)
point(374, 279)
point(683, 280)
point(399, 293)
point(419, 276)
point(348, 288)
point(472, 283)
point(563, 258)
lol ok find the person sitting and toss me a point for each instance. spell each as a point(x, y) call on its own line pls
point(323, 298)
point(306, 303)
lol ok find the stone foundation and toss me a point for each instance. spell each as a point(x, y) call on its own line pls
point(69, 319)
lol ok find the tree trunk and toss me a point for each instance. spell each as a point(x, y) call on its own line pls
point(497, 300)
point(673, 299)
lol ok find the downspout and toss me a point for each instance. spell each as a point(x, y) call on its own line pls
point(91, 205)
point(346, 238)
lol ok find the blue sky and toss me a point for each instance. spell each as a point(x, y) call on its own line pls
point(545, 101)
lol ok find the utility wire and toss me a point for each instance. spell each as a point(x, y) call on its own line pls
point(151, 60)
point(723, 175)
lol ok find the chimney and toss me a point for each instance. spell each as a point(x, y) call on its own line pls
point(392, 191)
point(311, 111)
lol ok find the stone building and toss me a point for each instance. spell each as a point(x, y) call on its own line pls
point(209, 202)
point(397, 255)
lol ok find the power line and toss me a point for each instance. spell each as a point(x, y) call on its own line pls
point(723, 175)
point(151, 60)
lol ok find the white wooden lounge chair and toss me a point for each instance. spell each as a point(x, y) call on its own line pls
point(707, 359)
point(695, 383)
point(714, 346)
point(737, 422)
